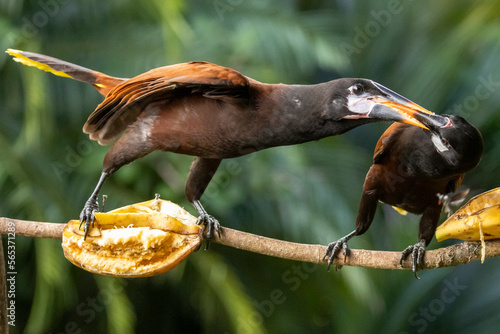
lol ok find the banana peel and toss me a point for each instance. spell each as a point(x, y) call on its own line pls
point(478, 219)
point(137, 240)
point(482, 211)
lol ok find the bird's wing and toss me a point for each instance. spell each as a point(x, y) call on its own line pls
point(387, 140)
point(125, 102)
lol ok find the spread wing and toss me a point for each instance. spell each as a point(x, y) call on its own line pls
point(125, 102)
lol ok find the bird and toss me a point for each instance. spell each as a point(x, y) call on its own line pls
point(417, 171)
point(214, 112)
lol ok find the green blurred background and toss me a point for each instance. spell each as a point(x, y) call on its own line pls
point(441, 54)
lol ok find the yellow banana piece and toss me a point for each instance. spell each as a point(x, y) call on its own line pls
point(480, 213)
point(138, 240)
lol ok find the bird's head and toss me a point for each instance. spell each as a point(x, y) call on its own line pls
point(459, 143)
point(366, 99)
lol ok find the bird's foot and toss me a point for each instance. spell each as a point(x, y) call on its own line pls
point(212, 227)
point(417, 252)
point(334, 248)
point(87, 216)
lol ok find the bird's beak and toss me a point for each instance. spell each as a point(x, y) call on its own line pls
point(391, 106)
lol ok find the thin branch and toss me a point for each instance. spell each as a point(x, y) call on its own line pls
point(443, 257)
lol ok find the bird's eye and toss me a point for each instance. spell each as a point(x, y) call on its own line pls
point(358, 89)
point(440, 143)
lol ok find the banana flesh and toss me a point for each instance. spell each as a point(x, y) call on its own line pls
point(138, 240)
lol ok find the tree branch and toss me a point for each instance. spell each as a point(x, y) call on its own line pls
point(443, 257)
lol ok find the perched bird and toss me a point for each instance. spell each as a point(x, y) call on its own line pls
point(214, 113)
point(416, 170)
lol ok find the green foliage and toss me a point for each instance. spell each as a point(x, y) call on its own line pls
point(442, 54)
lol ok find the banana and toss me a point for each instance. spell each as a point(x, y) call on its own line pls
point(478, 219)
point(138, 240)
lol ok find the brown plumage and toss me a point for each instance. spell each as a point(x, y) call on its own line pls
point(214, 112)
point(411, 167)
point(126, 99)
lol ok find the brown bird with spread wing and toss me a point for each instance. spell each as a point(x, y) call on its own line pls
point(214, 113)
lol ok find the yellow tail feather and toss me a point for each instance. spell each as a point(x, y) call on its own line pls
point(17, 54)
point(400, 211)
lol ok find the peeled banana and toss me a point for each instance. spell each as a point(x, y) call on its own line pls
point(138, 240)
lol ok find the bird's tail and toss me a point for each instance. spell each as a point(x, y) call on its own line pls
point(102, 82)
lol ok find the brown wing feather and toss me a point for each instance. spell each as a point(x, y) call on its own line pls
point(125, 102)
point(387, 140)
point(454, 184)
